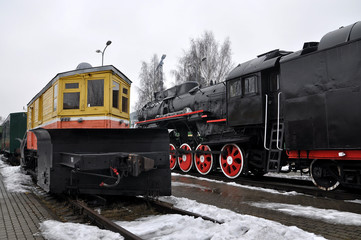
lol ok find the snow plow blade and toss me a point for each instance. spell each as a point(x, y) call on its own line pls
point(126, 162)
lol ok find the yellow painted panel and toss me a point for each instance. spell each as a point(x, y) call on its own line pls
point(36, 111)
point(48, 104)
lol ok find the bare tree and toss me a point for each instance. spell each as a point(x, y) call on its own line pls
point(150, 81)
point(205, 62)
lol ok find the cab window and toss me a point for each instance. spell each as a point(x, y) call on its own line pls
point(250, 85)
point(115, 94)
point(71, 96)
point(55, 97)
point(95, 93)
point(71, 100)
point(235, 88)
point(125, 100)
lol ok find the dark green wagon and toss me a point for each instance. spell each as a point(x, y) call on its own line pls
point(13, 130)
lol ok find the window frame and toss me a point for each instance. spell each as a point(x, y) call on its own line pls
point(246, 89)
point(72, 108)
point(71, 91)
point(125, 96)
point(55, 97)
point(87, 93)
point(118, 95)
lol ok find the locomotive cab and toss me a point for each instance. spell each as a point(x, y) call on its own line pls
point(253, 93)
point(247, 85)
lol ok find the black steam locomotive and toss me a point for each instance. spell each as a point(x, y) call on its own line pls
point(300, 109)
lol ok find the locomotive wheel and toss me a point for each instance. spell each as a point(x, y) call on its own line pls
point(231, 160)
point(172, 157)
point(185, 161)
point(324, 174)
point(203, 162)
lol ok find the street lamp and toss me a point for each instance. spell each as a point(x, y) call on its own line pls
point(102, 52)
point(199, 68)
point(159, 73)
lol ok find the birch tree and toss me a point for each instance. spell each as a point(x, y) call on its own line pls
point(206, 61)
point(150, 82)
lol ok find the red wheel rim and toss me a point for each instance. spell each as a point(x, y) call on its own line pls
point(172, 157)
point(185, 160)
point(231, 161)
point(203, 162)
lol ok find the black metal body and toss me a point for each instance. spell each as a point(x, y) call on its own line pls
point(82, 161)
point(322, 98)
point(302, 101)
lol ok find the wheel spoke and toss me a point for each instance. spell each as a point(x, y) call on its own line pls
point(185, 160)
point(231, 160)
point(203, 161)
point(172, 157)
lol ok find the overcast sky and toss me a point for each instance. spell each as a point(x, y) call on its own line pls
point(42, 38)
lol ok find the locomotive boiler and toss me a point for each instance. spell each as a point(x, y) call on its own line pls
point(296, 109)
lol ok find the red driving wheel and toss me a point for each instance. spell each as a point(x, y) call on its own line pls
point(231, 160)
point(185, 160)
point(203, 161)
point(172, 157)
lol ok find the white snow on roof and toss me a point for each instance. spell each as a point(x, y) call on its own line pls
point(326, 215)
point(13, 179)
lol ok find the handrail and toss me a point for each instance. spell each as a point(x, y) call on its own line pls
point(278, 122)
point(265, 124)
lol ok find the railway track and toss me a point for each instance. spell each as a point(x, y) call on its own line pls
point(282, 184)
point(102, 212)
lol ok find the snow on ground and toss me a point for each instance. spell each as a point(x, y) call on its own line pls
point(290, 175)
point(14, 180)
point(326, 215)
point(180, 184)
point(268, 190)
point(354, 201)
point(173, 226)
point(54, 230)
point(235, 226)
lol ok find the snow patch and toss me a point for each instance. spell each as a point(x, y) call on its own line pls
point(51, 229)
point(235, 226)
point(180, 184)
point(14, 180)
point(268, 190)
point(326, 215)
point(354, 201)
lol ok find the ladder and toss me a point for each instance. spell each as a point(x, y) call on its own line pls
point(275, 150)
point(276, 139)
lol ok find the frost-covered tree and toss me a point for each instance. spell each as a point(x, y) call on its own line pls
point(151, 81)
point(206, 61)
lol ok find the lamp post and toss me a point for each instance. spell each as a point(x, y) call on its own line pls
point(159, 73)
point(102, 52)
point(199, 68)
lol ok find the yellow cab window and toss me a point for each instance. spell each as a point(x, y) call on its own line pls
point(71, 96)
point(115, 94)
point(95, 93)
point(125, 100)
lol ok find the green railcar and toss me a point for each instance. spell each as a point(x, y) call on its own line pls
point(13, 130)
point(1, 133)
